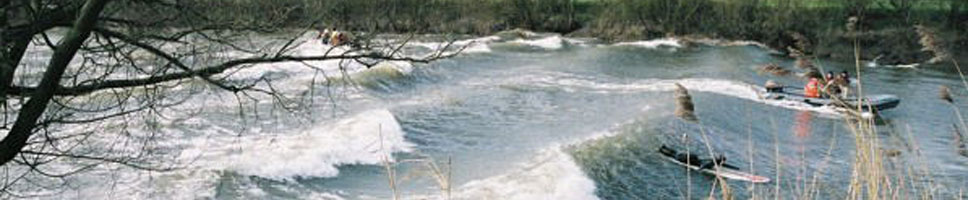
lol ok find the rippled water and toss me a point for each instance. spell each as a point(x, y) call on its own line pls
point(545, 118)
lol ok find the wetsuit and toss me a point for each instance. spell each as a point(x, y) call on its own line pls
point(692, 159)
point(712, 162)
point(689, 159)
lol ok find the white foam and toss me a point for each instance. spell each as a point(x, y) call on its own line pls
point(476, 48)
point(583, 42)
point(300, 75)
point(474, 45)
point(550, 43)
point(398, 66)
point(726, 43)
point(653, 44)
point(477, 45)
point(552, 174)
point(873, 64)
point(724, 87)
point(522, 32)
point(309, 47)
point(678, 43)
point(367, 138)
point(336, 68)
point(909, 66)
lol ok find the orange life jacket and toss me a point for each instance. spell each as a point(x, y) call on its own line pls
point(812, 89)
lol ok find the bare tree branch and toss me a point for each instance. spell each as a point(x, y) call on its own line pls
point(16, 139)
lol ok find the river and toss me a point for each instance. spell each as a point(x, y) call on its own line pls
point(546, 117)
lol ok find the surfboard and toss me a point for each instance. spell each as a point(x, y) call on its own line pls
point(723, 172)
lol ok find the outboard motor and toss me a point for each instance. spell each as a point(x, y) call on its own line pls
point(773, 87)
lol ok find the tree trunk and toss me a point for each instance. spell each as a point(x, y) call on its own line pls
point(10, 57)
point(16, 139)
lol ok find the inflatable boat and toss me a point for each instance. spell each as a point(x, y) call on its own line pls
point(877, 102)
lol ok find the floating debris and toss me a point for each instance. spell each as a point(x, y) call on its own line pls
point(891, 152)
point(774, 69)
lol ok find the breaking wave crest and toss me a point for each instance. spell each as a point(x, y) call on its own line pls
point(549, 43)
point(653, 44)
point(552, 174)
point(366, 138)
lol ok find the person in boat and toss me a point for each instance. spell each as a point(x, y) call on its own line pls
point(812, 89)
point(831, 88)
point(692, 159)
point(842, 81)
point(845, 77)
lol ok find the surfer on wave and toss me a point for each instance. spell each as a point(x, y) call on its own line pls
point(692, 159)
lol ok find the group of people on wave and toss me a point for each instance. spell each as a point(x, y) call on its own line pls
point(334, 37)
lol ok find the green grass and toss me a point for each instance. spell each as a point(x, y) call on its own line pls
point(937, 5)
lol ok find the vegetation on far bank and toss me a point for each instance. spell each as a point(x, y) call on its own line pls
point(889, 24)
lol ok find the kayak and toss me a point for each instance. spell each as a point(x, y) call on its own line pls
point(724, 171)
point(877, 102)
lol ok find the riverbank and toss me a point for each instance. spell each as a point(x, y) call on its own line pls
point(887, 30)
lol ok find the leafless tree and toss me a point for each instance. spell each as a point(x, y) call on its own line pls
point(126, 58)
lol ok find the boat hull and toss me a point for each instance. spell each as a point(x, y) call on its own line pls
point(868, 103)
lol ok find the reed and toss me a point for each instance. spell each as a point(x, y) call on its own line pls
point(867, 176)
point(875, 173)
point(945, 94)
point(685, 109)
point(930, 43)
point(871, 178)
point(959, 141)
point(440, 174)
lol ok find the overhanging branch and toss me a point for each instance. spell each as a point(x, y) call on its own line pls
point(204, 73)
